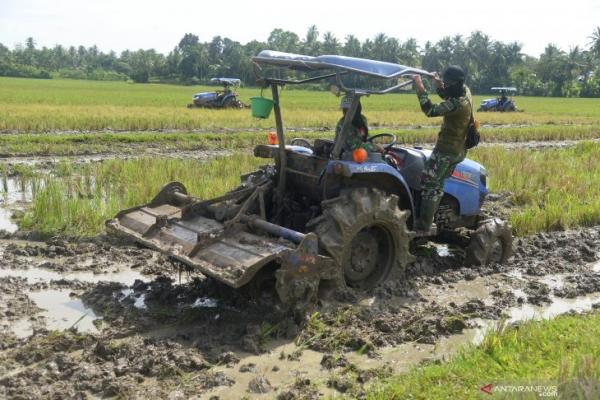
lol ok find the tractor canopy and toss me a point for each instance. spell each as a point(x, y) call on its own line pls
point(504, 89)
point(330, 66)
point(377, 69)
point(226, 81)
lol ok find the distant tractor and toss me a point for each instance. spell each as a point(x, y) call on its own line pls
point(227, 98)
point(502, 102)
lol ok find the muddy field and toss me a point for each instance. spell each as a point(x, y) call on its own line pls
point(103, 318)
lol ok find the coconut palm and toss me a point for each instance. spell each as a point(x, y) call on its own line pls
point(595, 42)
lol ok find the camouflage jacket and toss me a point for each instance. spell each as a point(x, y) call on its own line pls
point(355, 138)
point(457, 114)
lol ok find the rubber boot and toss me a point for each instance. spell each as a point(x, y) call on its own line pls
point(425, 220)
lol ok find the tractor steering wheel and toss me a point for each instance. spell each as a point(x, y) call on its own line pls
point(388, 146)
point(301, 142)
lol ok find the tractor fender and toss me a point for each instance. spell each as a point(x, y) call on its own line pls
point(375, 175)
point(468, 186)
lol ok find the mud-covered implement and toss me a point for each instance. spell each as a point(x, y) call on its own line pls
point(222, 240)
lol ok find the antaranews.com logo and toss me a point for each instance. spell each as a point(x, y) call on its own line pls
point(542, 391)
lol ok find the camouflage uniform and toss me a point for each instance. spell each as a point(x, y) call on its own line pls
point(448, 152)
point(354, 140)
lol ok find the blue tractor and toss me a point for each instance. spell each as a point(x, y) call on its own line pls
point(227, 98)
point(504, 102)
point(314, 214)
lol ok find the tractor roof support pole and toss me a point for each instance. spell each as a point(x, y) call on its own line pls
point(341, 138)
point(280, 140)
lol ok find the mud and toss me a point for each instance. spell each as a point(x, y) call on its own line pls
point(140, 327)
point(48, 162)
point(137, 150)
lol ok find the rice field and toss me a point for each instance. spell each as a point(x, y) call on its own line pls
point(33, 106)
point(552, 190)
point(75, 201)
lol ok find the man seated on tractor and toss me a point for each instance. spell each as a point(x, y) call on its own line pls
point(359, 130)
point(502, 100)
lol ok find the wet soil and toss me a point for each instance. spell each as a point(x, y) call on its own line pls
point(156, 331)
point(137, 150)
point(105, 318)
point(50, 161)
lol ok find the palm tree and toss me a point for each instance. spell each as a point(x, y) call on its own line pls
point(595, 42)
point(330, 44)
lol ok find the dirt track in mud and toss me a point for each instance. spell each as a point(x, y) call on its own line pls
point(137, 150)
point(253, 129)
point(137, 332)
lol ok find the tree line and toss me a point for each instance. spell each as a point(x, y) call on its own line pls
point(488, 62)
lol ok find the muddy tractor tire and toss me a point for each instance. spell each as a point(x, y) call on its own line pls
point(365, 232)
point(491, 243)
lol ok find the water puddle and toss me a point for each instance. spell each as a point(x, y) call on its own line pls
point(443, 250)
point(460, 292)
point(558, 306)
point(6, 223)
point(36, 274)
point(15, 190)
point(205, 302)
point(61, 311)
point(14, 195)
point(139, 301)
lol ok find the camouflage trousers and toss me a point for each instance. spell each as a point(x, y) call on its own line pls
point(437, 168)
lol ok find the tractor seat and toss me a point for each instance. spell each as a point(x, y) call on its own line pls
point(323, 147)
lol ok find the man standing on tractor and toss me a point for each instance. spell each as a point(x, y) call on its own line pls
point(450, 148)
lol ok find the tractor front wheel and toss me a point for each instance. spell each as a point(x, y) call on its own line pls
point(365, 232)
point(491, 243)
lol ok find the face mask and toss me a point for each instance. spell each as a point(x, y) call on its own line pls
point(454, 90)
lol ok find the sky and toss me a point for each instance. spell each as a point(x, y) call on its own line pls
point(133, 24)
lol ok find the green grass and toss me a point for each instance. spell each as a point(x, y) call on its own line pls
point(552, 189)
point(30, 105)
point(78, 204)
point(563, 352)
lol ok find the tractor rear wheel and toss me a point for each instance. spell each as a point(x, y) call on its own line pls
point(491, 243)
point(365, 232)
point(231, 102)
